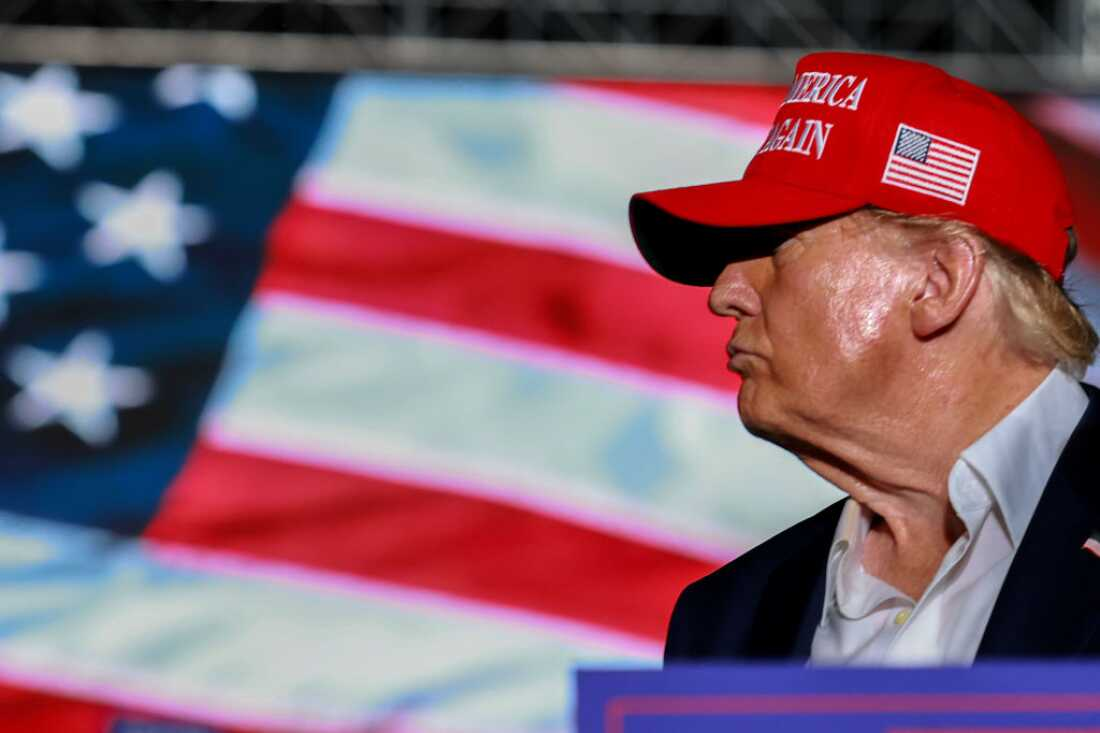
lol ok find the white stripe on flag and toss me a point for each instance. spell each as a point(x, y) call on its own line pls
point(531, 164)
point(223, 640)
point(407, 398)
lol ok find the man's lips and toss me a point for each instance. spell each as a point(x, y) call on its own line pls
point(736, 354)
point(733, 350)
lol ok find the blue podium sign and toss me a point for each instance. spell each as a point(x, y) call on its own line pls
point(1002, 698)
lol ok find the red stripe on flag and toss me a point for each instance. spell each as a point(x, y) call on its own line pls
point(932, 168)
point(422, 537)
point(949, 159)
point(612, 313)
point(927, 173)
point(964, 153)
point(944, 163)
point(36, 712)
point(753, 104)
point(29, 711)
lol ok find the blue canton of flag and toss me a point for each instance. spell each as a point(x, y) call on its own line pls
point(913, 145)
point(132, 230)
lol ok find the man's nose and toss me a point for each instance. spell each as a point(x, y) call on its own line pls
point(734, 292)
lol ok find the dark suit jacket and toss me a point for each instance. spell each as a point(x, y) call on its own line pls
point(766, 603)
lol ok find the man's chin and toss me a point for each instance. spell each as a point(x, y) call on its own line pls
point(755, 417)
point(763, 431)
point(748, 408)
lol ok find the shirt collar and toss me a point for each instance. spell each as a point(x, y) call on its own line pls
point(849, 533)
point(1015, 458)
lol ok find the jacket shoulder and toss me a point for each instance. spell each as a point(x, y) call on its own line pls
point(714, 615)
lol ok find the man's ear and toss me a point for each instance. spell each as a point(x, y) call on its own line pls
point(951, 270)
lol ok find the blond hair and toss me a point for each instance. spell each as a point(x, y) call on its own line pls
point(1037, 315)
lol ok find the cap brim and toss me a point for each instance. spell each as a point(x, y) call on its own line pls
point(690, 234)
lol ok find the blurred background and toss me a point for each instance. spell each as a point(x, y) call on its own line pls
point(333, 393)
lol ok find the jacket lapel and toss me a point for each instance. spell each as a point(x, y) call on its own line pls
point(792, 600)
point(811, 619)
point(1049, 604)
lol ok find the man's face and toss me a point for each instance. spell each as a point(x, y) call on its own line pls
point(819, 327)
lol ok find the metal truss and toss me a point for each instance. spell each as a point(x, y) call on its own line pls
point(1005, 44)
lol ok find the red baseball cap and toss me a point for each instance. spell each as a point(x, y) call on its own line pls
point(861, 130)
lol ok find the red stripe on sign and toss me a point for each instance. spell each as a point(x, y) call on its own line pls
point(612, 313)
point(422, 537)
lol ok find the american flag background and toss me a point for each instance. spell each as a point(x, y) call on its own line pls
point(344, 403)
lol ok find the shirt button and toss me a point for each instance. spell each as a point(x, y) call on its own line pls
point(902, 616)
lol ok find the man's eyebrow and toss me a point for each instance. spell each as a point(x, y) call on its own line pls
point(785, 241)
point(790, 234)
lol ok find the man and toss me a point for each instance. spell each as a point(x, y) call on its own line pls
point(892, 258)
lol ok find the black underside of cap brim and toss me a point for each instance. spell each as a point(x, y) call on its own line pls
point(695, 254)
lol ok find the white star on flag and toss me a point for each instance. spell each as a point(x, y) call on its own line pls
point(229, 90)
point(48, 114)
point(19, 272)
point(149, 223)
point(78, 388)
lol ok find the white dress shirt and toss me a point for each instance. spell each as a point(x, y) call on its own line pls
point(994, 488)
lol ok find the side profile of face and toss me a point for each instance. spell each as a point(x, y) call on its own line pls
point(820, 326)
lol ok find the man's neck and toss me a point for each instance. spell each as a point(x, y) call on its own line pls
point(897, 466)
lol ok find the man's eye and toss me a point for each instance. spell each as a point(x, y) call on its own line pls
point(786, 251)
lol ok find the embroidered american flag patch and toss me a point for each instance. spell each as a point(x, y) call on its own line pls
point(929, 164)
point(1092, 544)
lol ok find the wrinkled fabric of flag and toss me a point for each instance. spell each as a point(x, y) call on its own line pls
point(346, 403)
